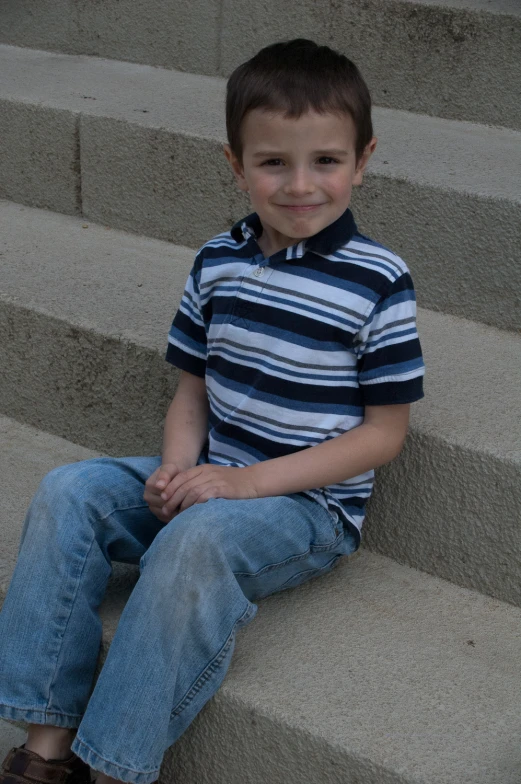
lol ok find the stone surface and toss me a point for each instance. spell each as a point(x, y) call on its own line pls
point(100, 303)
point(445, 195)
point(456, 58)
point(10, 735)
point(39, 156)
point(180, 34)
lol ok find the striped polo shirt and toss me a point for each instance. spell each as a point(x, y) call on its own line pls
point(294, 346)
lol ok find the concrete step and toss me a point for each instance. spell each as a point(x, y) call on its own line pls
point(375, 673)
point(139, 148)
point(85, 313)
point(10, 735)
point(451, 58)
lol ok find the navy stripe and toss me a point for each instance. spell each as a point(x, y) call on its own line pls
point(272, 389)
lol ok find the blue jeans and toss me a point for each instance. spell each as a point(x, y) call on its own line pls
point(200, 575)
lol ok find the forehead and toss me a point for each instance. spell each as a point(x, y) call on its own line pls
point(265, 128)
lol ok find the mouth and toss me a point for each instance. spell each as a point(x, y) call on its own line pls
point(300, 207)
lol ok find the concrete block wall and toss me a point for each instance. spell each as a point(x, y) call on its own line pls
point(106, 161)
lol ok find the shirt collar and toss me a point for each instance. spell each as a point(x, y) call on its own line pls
point(326, 241)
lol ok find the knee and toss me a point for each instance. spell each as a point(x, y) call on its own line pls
point(70, 483)
point(72, 492)
point(193, 538)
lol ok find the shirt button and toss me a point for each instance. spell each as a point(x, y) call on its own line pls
point(258, 272)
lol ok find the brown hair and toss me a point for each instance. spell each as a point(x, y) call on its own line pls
point(293, 77)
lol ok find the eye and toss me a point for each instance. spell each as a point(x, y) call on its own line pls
point(326, 159)
point(272, 162)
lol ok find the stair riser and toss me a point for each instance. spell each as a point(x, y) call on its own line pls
point(40, 157)
point(452, 512)
point(164, 184)
point(455, 63)
point(106, 394)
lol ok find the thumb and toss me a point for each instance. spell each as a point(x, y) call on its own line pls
point(166, 474)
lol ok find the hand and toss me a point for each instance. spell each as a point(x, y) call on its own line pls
point(198, 484)
point(155, 486)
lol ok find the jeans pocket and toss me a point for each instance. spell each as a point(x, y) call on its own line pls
point(329, 530)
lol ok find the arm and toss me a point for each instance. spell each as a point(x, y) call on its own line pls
point(185, 432)
point(376, 441)
point(186, 422)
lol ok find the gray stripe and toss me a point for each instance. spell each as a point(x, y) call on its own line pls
point(399, 323)
point(264, 352)
point(372, 256)
point(306, 297)
point(227, 279)
point(269, 421)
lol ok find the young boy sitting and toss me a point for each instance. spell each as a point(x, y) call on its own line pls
point(299, 354)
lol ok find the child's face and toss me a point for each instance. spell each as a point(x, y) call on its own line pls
point(299, 172)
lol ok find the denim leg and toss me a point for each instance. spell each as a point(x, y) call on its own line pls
point(199, 580)
point(83, 516)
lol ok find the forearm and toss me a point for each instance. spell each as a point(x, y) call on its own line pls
point(348, 455)
point(186, 423)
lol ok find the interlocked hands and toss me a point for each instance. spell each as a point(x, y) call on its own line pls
point(171, 490)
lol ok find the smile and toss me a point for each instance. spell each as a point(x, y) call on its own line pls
point(300, 207)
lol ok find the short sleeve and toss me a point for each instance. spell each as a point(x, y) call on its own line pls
point(187, 337)
point(390, 362)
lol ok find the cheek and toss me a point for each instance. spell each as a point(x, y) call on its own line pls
point(263, 186)
point(340, 187)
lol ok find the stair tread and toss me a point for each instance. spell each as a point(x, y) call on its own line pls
point(448, 154)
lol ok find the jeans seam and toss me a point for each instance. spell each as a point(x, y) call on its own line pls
point(43, 712)
point(210, 669)
point(121, 509)
point(317, 570)
point(270, 567)
point(78, 580)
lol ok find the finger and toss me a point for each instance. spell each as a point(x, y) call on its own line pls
point(207, 493)
point(152, 478)
point(165, 474)
point(152, 496)
point(179, 480)
point(193, 493)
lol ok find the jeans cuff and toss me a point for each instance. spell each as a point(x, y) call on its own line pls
point(39, 716)
point(88, 755)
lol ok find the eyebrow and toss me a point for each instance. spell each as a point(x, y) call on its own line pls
point(276, 154)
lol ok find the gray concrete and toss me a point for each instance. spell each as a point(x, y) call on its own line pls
point(375, 674)
point(440, 192)
point(180, 34)
point(10, 736)
point(100, 303)
point(457, 59)
point(39, 156)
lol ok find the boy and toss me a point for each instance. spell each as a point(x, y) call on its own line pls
point(297, 343)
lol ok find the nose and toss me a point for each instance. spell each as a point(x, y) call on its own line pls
point(299, 183)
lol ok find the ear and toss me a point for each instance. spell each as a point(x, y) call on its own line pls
point(362, 163)
point(237, 167)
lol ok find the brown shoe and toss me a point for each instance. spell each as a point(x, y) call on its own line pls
point(26, 767)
